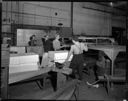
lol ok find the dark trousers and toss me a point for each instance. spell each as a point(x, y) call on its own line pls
point(53, 78)
point(77, 64)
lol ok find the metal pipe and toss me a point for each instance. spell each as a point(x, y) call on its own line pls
point(1, 20)
point(72, 16)
point(127, 48)
point(110, 6)
point(127, 27)
point(6, 11)
point(104, 11)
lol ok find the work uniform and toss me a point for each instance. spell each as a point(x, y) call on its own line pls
point(47, 46)
point(56, 45)
point(53, 75)
point(32, 43)
point(77, 62)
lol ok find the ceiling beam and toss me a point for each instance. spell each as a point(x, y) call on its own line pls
point(119, 4)
point(105, 11)
point(116, 6)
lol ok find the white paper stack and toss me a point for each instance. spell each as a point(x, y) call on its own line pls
point(59, 56)
point(23, 62)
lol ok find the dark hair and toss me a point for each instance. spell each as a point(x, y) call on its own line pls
point(45, 36)
point(56, 35)
point(75, 38)
point(31, 38)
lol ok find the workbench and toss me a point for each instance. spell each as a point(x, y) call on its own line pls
point(16, 77)
point(58, 76)
point(111, 51)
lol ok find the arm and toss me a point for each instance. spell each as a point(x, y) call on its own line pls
point(70, 53)
point(85, 47)
point(53, 44)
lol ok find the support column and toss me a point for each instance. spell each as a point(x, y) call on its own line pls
point(127, 48)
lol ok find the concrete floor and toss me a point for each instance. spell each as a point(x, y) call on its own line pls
point(30, 90)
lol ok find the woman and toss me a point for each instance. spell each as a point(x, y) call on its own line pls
point(77, 63)
point(45, 61)
point(32, 41)
point(47, 44)
point(56, 43)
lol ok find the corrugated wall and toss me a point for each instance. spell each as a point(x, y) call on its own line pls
point(87, 21)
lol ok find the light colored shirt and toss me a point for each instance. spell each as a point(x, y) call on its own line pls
point(79, 49)
point(39, 42)
point(56, 44)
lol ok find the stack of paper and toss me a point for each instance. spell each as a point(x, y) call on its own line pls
point(23, 62)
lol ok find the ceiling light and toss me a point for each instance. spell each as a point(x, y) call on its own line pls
point(111, 3)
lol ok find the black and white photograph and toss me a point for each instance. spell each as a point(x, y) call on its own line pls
point(64, 50)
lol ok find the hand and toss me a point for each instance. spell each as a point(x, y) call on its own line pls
point(62, 46)
point(65, 63)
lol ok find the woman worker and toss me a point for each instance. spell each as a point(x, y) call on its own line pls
point(77, 63)
point(48, 47)
point(47, 44)
point(57, 44)
point(32, 41)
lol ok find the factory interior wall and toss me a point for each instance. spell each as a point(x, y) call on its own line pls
point(85, 21)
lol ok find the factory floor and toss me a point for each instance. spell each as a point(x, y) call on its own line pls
point(30, 90)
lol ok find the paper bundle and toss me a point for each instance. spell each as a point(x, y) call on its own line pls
point(23, 62)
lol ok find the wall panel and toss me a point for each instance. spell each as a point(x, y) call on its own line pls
point(28, 20)
point(42, 21)
point(87, 21)
point(91, 22)
point(29, 9)
point(6, 28)
point(42, 11)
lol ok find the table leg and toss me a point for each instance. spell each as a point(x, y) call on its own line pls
point(112, 64)
point(112, 73)
point(112, 68)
